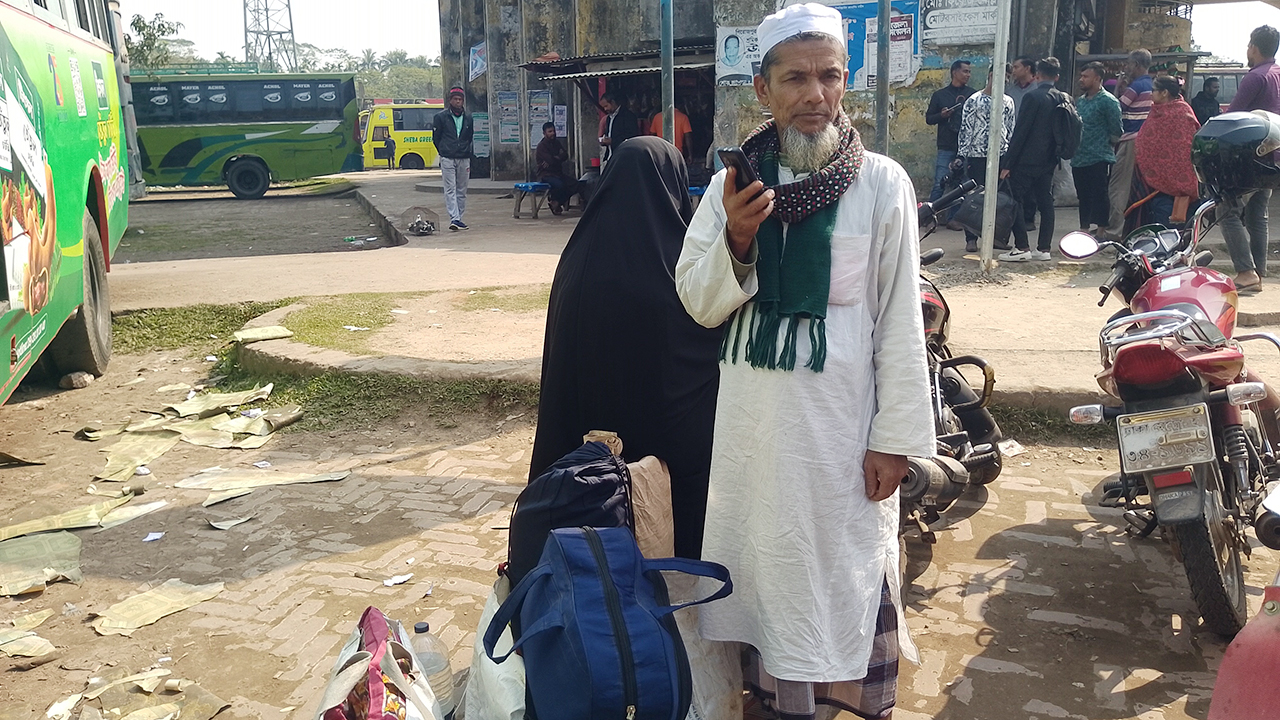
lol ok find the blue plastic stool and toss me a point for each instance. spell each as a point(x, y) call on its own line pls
point(537, 190)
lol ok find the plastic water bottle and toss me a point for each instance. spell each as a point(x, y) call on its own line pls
point(434, 659)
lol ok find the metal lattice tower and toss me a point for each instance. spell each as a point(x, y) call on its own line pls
point(268, 35)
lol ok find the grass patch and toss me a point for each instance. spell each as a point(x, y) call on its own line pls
point(140, 331)
point(339, 400)
point(515, 300)
point(1039, 426)
point(321, 322)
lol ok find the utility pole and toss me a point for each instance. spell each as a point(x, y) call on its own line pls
point(668, 73)
point(995, 135)
point(882, 78)
point(268, 35)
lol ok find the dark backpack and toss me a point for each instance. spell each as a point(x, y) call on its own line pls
point(589, 487)
point(599, 639)
point(1066, 125)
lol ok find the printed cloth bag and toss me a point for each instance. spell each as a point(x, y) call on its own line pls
point(377, 676)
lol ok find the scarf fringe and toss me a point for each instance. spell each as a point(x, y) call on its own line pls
point(762, 340)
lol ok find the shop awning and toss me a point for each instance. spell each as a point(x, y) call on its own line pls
point(625, 71)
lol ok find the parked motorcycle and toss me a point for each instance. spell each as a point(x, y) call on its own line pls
point(1197, 430)
point(968, 437)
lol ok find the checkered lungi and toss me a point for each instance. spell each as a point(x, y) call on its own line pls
point(872, 697)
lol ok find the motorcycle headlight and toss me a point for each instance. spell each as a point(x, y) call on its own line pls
point(1245, 393)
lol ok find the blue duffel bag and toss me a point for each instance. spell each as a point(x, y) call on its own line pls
point(598, 637)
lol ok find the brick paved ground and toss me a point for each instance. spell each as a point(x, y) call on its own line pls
point(1033, 604)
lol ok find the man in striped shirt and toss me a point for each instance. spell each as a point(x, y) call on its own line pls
point(1135, 103)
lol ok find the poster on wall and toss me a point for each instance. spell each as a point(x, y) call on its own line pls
point(480, 137)
point(958, 22)
point(539, 113)
point(479, 62)
point(904, 42)
point(560, 116)
point(508, 117)
point(737, 55)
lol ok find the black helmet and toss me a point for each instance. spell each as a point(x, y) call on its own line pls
point(1232, 153)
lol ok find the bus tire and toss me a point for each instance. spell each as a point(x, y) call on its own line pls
point(412, 161)
point(248, 178)
point(84, 341)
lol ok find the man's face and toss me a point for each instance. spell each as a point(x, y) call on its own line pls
point(1090, 81)
point(1211, 89)
point(549, 133)
point(1252, 55)
point(455, 101)
point(732, 46)
point(609, 105)
point(1021, 72)
point(805, 85)
point(960, 76)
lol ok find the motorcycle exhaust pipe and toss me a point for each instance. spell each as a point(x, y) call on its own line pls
point(1267, 528)
point(938, 480)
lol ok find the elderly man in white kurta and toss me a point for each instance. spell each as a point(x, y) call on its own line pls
point(824, 388)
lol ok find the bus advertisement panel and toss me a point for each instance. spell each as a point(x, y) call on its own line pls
point(63, 188)
point(245, 131)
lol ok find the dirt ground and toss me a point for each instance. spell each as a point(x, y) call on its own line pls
point(1033, 603)
point(217, 228)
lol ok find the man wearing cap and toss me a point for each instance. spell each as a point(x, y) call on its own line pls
point(824, 390)
point(451, 132)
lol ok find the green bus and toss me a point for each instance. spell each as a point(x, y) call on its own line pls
point(245, 131)
point(64, 188)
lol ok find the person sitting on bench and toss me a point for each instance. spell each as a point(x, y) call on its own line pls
point(551, 157)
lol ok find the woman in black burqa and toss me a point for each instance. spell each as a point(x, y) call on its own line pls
point(621, 353)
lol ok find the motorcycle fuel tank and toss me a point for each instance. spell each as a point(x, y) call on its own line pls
point(1245, 689)
point(1209, 290)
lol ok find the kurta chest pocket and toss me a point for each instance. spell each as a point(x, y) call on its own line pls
point(850, 256)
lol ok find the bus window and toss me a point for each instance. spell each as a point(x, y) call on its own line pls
point(381, 133)
point(303, 103)
point(83, 18)
point(414, 119)
point(100, 28)
point(52, 7)
point(248, 103)
point(190, 102)
point(217, 103)
point(153, 103)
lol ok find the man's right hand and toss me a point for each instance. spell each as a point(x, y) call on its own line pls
point(745, 211)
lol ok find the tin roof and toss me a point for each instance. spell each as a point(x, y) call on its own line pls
point(624, 71)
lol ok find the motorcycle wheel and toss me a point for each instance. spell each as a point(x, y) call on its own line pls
point(1212, 562)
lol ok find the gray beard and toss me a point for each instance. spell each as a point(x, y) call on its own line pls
point(809, 152)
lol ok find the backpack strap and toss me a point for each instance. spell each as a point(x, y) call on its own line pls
point(700, 568)
point(508, 610)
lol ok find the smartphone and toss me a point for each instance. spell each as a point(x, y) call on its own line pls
point(957, 106)
point(734, 157)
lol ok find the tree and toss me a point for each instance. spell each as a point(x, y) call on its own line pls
point(148, 45)
point(368, 60)
point(394, 58)
point(224, 58)
point(182, 51)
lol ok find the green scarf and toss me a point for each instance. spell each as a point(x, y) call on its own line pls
point(794, 274)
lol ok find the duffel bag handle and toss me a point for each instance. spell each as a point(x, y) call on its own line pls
point(508, 610)
point(700, 568)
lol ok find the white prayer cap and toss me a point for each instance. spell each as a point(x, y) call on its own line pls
point(796, 19)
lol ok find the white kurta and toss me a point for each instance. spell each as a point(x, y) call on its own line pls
point(787, 510)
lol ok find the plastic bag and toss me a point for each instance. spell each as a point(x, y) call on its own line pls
point(651, 507)
point(494, 692)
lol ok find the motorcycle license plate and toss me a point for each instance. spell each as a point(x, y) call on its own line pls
point(1165, 439)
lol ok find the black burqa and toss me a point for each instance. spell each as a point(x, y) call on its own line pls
point(621, 353)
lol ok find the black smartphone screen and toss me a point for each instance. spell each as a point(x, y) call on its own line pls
point(735, 158)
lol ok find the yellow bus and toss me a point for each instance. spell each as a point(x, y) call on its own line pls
point(408, 126)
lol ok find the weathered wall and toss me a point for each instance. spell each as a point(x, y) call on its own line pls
point(462, 26)
point(1153, 30)
point(737, 110)
point(505, 37)
point(549, 27)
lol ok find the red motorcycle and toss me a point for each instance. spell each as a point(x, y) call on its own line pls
point(1197, 430)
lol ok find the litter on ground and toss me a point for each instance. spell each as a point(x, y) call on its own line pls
point(173, 596)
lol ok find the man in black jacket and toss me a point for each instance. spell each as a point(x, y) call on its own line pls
point(1205, 104)
point(945, 111)
point(451, 133)
point(620, 125)
point(1032, 158)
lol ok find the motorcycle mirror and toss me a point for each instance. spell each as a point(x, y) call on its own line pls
point(1203, 258)
point(1078, 245)
point(930, 257)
